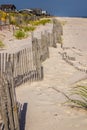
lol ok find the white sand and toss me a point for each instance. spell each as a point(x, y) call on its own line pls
point(43, 104)
point(45, 110)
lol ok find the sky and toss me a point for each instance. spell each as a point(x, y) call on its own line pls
point(55, 7)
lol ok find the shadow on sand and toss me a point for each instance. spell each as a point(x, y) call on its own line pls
point(23, 117)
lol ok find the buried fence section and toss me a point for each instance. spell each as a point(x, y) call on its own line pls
point(9, 109)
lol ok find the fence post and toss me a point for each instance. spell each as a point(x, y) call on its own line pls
point(12, 95)
point(47, 43)
point(44, 47)
point(3, 102)
point(54, 34)
point(58, 31)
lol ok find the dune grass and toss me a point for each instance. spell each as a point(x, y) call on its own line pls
point(29, 28)
point(40, 22)
point(78, 97)
point(20, 34)
point(1, 44)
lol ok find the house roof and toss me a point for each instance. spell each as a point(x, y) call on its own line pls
point(26, 10)
point(7, 6)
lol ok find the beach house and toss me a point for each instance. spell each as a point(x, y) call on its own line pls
point(8, 7)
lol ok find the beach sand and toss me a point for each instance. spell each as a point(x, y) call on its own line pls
point(43, 105)
point(43, 101)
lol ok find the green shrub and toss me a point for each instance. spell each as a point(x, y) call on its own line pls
point(20, 34)
point(1, 44)
point(27, 29)
point(40, 22)
point(12, 14)
point(44, 21)
point(13, 22)
point(34, 23)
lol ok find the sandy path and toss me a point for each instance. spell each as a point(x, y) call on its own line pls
point(43, 106)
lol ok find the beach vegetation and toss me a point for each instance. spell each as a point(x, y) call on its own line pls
point(20, 34)
point(1, 44)
point(78, 97)
point(40, 22)
point(13, 21)
point(3, 16)
point(28, 28)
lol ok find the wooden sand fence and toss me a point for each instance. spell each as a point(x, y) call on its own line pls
point(19, 67)
point(15, 69)
point(9, 115)
point(25, 66)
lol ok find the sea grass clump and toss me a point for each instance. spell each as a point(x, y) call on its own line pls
point(20, 34)
point(78, 97)
point(1, 44)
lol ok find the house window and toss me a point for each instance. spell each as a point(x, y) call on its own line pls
point(9, 9)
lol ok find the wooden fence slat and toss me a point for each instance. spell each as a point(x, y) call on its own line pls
point(20, 66)
point(11, 97)
point(31, 66)
point(10, 94)
point(0, 63)
point(26, 63)
point(23, 64)
point(3, 104)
